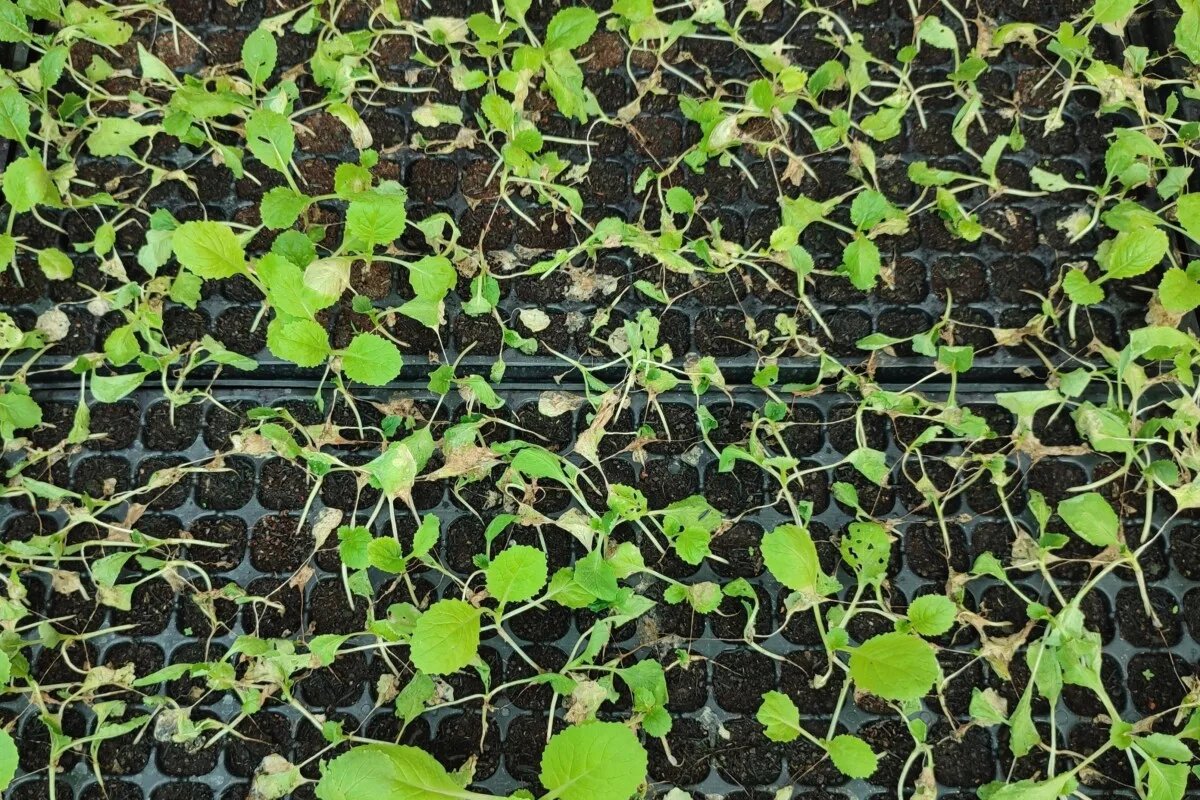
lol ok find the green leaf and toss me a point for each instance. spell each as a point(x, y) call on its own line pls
point(779, 716)
point(597, 761)
point(259, 53)
point(425, 311)
point(14, 27)
point(384, 553)
point(269, 136)
point(427, 536)
point(868, 209)
point(680, 200)
point(1133, 253)
point(537, 462)
point(1164, 781)
point(14, 114)
point(376, 218)
point(1187, 31)
point(1050, 789)
point(1081, 290)
point(932, 614)
point(153, 68)
point(790, 554)
point(286, 288)
point(27, 184)
point(304, 342)
point(55, 264)
point(935, 32)
point(372, 360)
point(597, 576)
point(354, 545)
point(386, 772)
point(208, 249)
point(1091, 518)
point(1048, 181)
point(647, 682)
point(498, 111)
point(861, 263)
point(1177, 292)
point(296, 248)
point(111, 388)
point(871, 463)
point(958, 359)
point(18, 411)
point(115, 136)
point(122, 346)
point(894, 666)
point(571, 28)
point(1109, 11)
point(1023, 733)
point(432, 277)
point(1156, 745)
point(8, 759)
point(446, 637)
point(282, 206)
point(852, 756)
point(516, 574)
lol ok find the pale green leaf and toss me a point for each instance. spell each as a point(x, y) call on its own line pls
point(1133, 253)
point(597, 761)
point(208, 249)
point(269, 136)
point(303, 342)
point(386, 772)
point(790, 554)
point(932, 614)
point(446, 637)
point(779, 717)
point(259, 53)
point(852, 756)
point(8, 759)
point(516, 574)
point(372, 360)
point(894, 666)
point(1091, 518)
point(570, 28)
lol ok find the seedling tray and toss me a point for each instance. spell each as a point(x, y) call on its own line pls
point(718, 746)
point(989, 281)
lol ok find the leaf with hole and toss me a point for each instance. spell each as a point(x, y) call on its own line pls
point(269, 136)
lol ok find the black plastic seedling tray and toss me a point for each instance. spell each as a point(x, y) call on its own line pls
point(715, 740)
point(992, 283)
point(718, 747)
